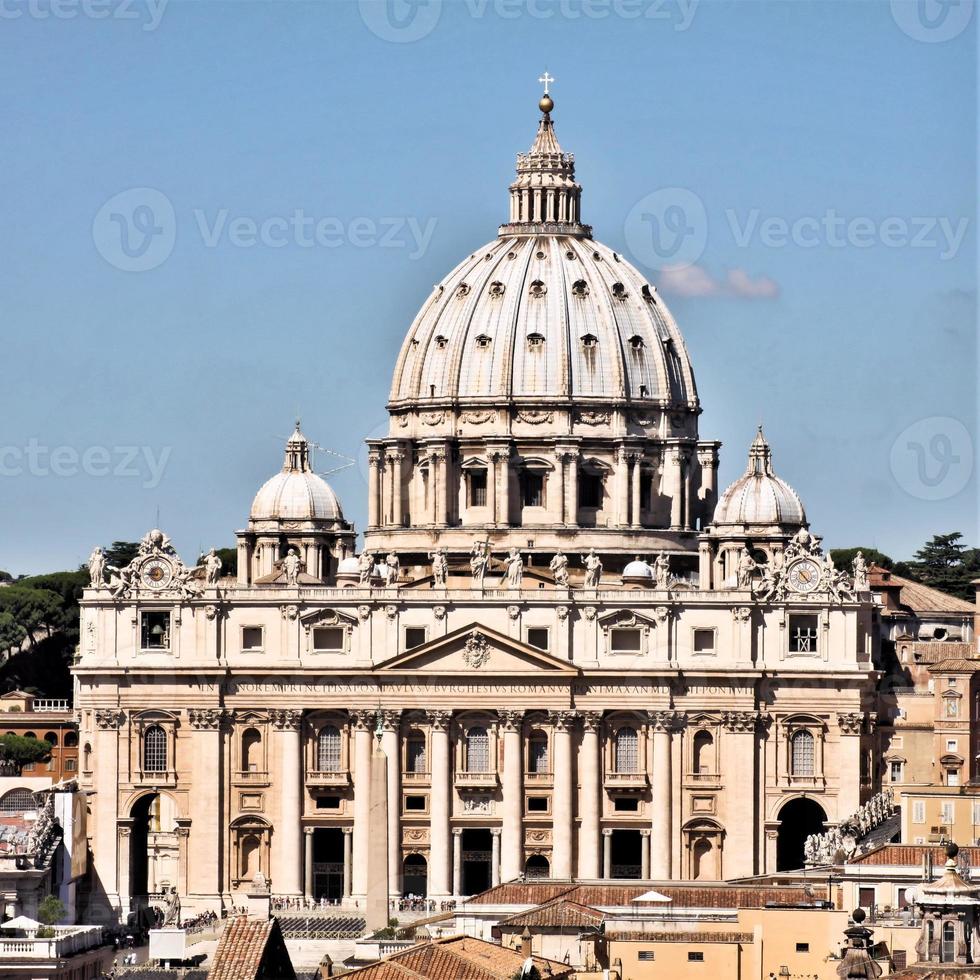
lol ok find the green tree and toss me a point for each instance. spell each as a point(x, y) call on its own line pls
point(23, 750)
point(51, 910)
point(5, 576)
point(229, 560)
point(121, 553)
point(945, 563)
point(843, 558)
point(25, 612)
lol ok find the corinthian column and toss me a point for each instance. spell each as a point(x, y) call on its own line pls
point(395, 458)
point(622, 487)
point(363, 730)
point(561, 821)
point(391, 746)
point(512, 842)
point(636, 473)
point(589, 798)
point(106, 806)
point(374, 488)
point(674, 462)
point(439, 810)
point(287, 879)
point(662, 723)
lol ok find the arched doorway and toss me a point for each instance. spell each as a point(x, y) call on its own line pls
point(415, 876)
point(153, 848)
point(797, 820)
point(537, 866)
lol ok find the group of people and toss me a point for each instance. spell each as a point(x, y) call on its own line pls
point(824, 848)
point(419, 903)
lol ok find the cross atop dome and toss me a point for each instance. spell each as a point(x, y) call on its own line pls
point(546, 80)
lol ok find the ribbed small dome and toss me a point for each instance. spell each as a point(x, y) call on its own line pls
point(637, 569)
point(296, 493)
point(759, 497)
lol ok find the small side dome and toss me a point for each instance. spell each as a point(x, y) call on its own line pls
point(759, 497)
point(637, 571)
point(296, 493)
point(349, 565)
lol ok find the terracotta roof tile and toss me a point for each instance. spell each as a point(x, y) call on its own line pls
point(556, 914)
point(251, 949)
point(910, 855)
point(918, 597)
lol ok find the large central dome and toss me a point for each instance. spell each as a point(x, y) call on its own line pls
point(543, 388)
point(544, 312)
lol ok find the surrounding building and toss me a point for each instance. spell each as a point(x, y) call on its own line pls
point(48, 719)
point(576, 656)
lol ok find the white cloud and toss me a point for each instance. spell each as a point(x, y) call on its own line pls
point(694, 280)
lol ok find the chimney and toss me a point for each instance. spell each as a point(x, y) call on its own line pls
point(526, 943)
point(326, 967)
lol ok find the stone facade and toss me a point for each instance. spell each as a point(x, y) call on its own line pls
point(594, 714)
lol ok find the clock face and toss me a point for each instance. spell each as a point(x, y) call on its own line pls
point(804, 575)
point(156, 574)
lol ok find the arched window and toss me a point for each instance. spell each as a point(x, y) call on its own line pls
point(703, 752)
point(537, 753)
point(250, 857)
point(537, 866)
point(477, 750)
point(948, 954)
point(701, 862)
point(328, 749)
point(626, 750)
point(51, 738)
point(251, 750)
point(415, 753)
point(801, 746)
point(71, 740)
point(17, 801)
point(154, 749)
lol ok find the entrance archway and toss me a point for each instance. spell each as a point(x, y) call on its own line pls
point(797, 820)
point(627, 854)
point(477, 854)
point(415, 876)
point(328, 864)
point(153, 848)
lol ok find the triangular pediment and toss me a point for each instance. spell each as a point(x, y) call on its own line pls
point(477, 650)
point(628, 618)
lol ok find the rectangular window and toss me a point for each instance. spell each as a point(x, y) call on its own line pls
point(646, 956)
point(69, 765)
point(947, 813)
point(951, 744)
point(895, 771)
point(918, 811)
point(415, 803)
point(415, 755)
point(251, 639)
point(590, 490)
point(625, 640)
point(976, 813)
point(866, 898)
point(695, 956)
point(802, 947)
point(704, 641)
point(155, 630)
point(532, 487)
point(477, 482)
point(328, 802)
point(952, 777)
point(537, 636)
point(414, 637)
point(626, 804)
point(803, 634)
point(537, 804)
point(328, 638)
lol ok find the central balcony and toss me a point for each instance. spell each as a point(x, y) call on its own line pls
point(625, 780)
point(416, 778)
point(476, 780)
point(328, 779)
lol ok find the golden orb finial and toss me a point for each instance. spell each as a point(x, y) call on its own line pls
point(546, 104)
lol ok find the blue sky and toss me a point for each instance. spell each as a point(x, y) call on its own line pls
point(822, 158)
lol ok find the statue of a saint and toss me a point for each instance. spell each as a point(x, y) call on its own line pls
point(593, 569)
point(515, 569)
point(365, 567)
point(746, 569)
point(440, 568)
point(559, 566)
point(860, 569)
point(96, 568)
point(392, 569)
point(291, 565)
point(661, 572)
point(480, 561)
point(212, 567)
